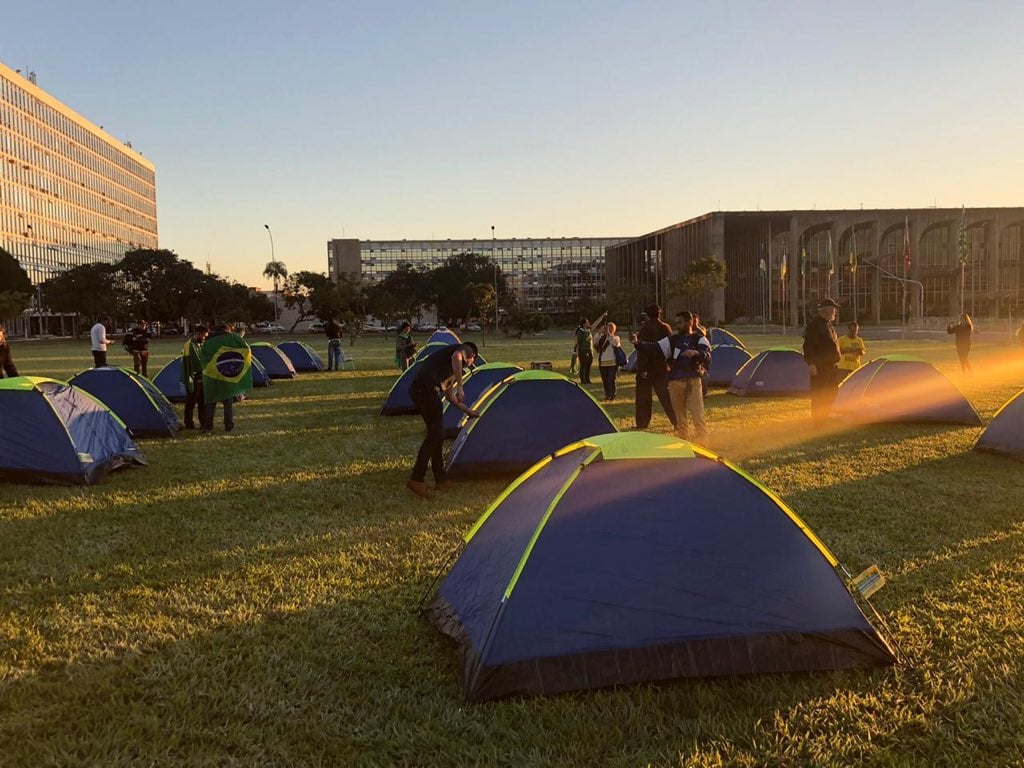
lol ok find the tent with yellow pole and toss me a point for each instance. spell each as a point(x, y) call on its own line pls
point(630, 557)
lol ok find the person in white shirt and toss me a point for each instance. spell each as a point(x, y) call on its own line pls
point(98, 334)
point(607, 358)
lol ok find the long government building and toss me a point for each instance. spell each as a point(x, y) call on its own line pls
point(881, 265)
point(70, 193)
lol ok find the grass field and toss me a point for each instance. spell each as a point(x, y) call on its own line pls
point(250, 598)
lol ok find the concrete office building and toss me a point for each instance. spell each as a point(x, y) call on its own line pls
point(547, 274)
point(70, 193)
point(870, 283)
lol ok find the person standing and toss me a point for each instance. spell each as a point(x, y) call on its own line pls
point(851, 349)
point(688, 353)
point(584, 346)
point(136, 343)
point(962, 331)
point(332, 330)
point(651, 370)
point(7, 367)
point(98, 336)
point(439, 374)
point(607, 362)
point(192, 376)
point(821, 354)
point(405, 347)
point(209, 409)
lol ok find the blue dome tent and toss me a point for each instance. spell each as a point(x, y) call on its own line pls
point(56, 433)
point(723, 337)
point(168, 381)
point(637, 557)
point(726, 360)
point(135, 400)
point(523, 418)
point(260, 378)
point(474, 384)
point(776, 372)
point(274, 361)
point(302, 356)
point(902, 388)
point(1005, 433)
point(398, 401)
point(444, 336)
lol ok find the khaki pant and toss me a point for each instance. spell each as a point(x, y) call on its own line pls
point(688, 399)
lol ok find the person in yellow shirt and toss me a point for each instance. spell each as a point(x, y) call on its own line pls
point(851, 349)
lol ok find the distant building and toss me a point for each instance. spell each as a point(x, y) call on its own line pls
point(547, 274)
point(70, 193)
point(871, 282)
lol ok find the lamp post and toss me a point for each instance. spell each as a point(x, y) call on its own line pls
point(273, 260)
point(493, 254)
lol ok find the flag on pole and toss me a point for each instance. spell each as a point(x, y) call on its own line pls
point(961, 239)
point(831, 259)
point(853, 252)
point(783, 269)
point(906, 247)
point(803, 260)
point(763, 267)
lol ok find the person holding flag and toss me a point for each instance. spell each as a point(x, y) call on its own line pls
point(192, 375)
point(227, 372)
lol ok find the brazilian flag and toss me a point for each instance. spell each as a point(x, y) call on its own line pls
point(227, 367)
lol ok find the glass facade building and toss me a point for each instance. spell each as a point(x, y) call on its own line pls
point(548, 274)
point(70, 193)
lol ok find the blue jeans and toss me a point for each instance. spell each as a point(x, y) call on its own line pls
point(334, 355)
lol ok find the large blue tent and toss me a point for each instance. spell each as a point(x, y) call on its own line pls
point(902, 388)
point(1005, 433)
point(444, 336)
point(134, 398)
point(474, 384)
point(398, 401)
point(633, 557)
point(56, 433)
point(260, 377)
point(302, 356)
point(274, 361)
point(776, 372)
point(726, 360)
point(523, 418)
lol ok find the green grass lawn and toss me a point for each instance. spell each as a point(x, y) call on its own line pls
point(250, 598)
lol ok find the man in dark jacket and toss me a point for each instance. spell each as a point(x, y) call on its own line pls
point(7, 369)
point(192, 376)
point(652, 370)
point(333, 330)
point(136, 343)
point(821, 353)
point(688, 353)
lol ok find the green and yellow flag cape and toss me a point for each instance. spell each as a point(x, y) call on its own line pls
point(227, 367)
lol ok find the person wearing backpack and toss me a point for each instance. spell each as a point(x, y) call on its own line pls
point(688, 353)
point(609, 358)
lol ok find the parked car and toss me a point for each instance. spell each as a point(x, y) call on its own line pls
point(170, 330)
point(473, 328)
point(317, 326)
point(269, 328)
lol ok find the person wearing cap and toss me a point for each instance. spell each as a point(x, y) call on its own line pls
point(821, 353)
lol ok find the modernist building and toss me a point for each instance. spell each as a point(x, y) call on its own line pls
point(70, 193)
point(547, 274)
point(856, 257)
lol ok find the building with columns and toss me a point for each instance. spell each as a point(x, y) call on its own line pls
point(858, 257)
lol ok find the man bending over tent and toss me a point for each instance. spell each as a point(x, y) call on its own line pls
point(440, 373)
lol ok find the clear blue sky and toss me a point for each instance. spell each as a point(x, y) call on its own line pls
point(439, 119)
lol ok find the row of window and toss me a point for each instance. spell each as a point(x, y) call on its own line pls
point(66, 137)
point(44, 261)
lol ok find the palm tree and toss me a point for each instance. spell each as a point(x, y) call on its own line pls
point(276, 271)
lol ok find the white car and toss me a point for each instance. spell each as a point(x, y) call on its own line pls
point(269, 328)
point(317, 326)
point(473, 328)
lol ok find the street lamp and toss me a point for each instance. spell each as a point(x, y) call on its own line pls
point(273, 260)
point(493, 252)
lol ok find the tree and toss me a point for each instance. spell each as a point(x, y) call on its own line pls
point(480, 298)
point(158, 285)
point(410, 288)
point(307, 293)
point(698, 284)
point(15, 286)
point(90, 290)
point(527, 320)
point(451, 283)
point(276, 271)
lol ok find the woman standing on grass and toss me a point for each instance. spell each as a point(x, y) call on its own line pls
point(962, 330)
point(7, 368)
point(607, 363)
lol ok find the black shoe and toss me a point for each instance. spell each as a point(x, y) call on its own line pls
point(189, 426)
point(229, 427)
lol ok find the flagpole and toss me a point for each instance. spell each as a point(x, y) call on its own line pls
point(769, 273)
